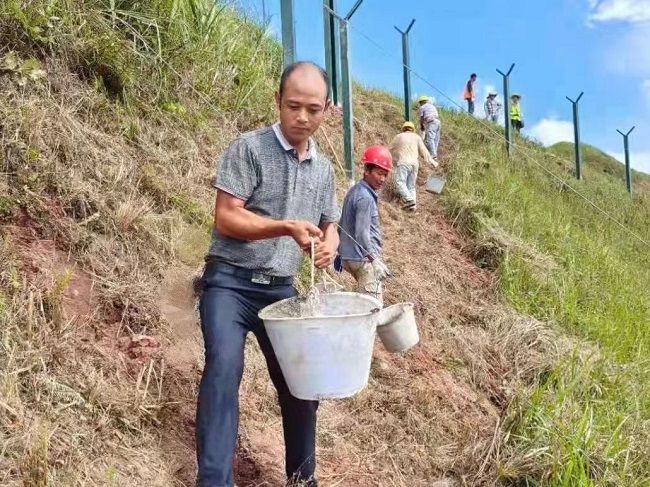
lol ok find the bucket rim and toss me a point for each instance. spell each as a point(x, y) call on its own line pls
point(264, 312)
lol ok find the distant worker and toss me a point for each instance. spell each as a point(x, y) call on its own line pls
point(492, 107)
point(360, 250)
point(429, 124)
point(470, 95)
point(516, 116)
point(407, 148)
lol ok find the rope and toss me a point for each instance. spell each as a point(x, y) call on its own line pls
point(313, 265)
point(353, 239)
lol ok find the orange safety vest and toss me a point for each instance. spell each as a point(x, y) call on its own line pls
point(469, 95)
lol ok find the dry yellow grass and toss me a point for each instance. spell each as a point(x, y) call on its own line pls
point(100, 362)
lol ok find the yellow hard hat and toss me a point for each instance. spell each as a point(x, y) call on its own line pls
point(423, 98)
point(408, 125)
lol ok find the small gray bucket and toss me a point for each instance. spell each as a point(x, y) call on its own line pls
point(397, 328)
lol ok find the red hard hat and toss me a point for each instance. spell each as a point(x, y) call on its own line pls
point(379, 156)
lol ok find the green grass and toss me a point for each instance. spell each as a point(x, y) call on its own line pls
point(598, 161)
point(141, 53)
point(587, 423)
point(113, 115)
point(187, 64)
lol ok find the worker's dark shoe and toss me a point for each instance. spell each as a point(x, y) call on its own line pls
point(312, 482)
point(409, 206)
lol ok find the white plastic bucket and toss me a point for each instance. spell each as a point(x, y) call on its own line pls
point(397, 328)
point(328, 356)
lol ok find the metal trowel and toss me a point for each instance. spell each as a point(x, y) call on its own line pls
point(435, 184)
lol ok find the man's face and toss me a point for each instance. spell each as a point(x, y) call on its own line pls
point(375, 176)
point(303, 104)
point(473, 78)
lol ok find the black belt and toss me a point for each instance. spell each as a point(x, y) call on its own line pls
point(249, 274)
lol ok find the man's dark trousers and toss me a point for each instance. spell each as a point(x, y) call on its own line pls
point(229, 307)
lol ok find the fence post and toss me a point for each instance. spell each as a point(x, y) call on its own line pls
point(406, 63)
point(346, 92)
point(628, 168)
point(346, 85)
point(288, 33)
point(331, 49)
point(576, 135)
point(506, 105)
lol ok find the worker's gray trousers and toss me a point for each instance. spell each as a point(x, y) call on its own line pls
point(405, 178)
point(229, 307)
point(432, 137)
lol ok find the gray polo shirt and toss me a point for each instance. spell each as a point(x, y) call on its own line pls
point(262, 168)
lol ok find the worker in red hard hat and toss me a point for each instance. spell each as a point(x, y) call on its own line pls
point(360, 248)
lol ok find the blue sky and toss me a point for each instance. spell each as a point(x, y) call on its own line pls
point(560, 47)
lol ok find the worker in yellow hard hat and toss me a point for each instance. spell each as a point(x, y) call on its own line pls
point(407, 148)
point(429, 124)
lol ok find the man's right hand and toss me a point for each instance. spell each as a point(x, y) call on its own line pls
point(302, 232)
point(380, 270)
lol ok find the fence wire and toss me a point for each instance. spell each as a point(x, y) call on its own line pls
point(501, 138)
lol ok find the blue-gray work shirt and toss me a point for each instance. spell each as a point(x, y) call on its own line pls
point(360, 219)
point(262, 168)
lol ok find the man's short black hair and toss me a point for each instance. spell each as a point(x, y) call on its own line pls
point(292, 67)
point(473, 75)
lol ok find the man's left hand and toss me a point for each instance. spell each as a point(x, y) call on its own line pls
point(324, 255)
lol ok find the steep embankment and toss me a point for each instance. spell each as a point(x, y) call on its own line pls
point(575, 254)
point(112, 122)
point(107, 157)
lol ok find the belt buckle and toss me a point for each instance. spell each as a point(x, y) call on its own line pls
point(258, 278)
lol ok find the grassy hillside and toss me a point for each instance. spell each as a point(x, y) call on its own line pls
point(562, 261)
point(113, 116)
point(599, 161)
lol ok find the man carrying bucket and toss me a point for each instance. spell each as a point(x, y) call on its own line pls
point(360, 233)
point(275, 192)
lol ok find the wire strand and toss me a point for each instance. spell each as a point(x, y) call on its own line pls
point(522, 150)
point(499, 136)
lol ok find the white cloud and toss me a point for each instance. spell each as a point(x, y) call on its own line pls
point(629, 55)
point(632, 11)
point(639, 160)
point(550, 131)
point(645, 91)
point(488, 88)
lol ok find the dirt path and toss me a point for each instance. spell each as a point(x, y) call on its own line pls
point(443, 283)
point(257, 455)
point(429, 417)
